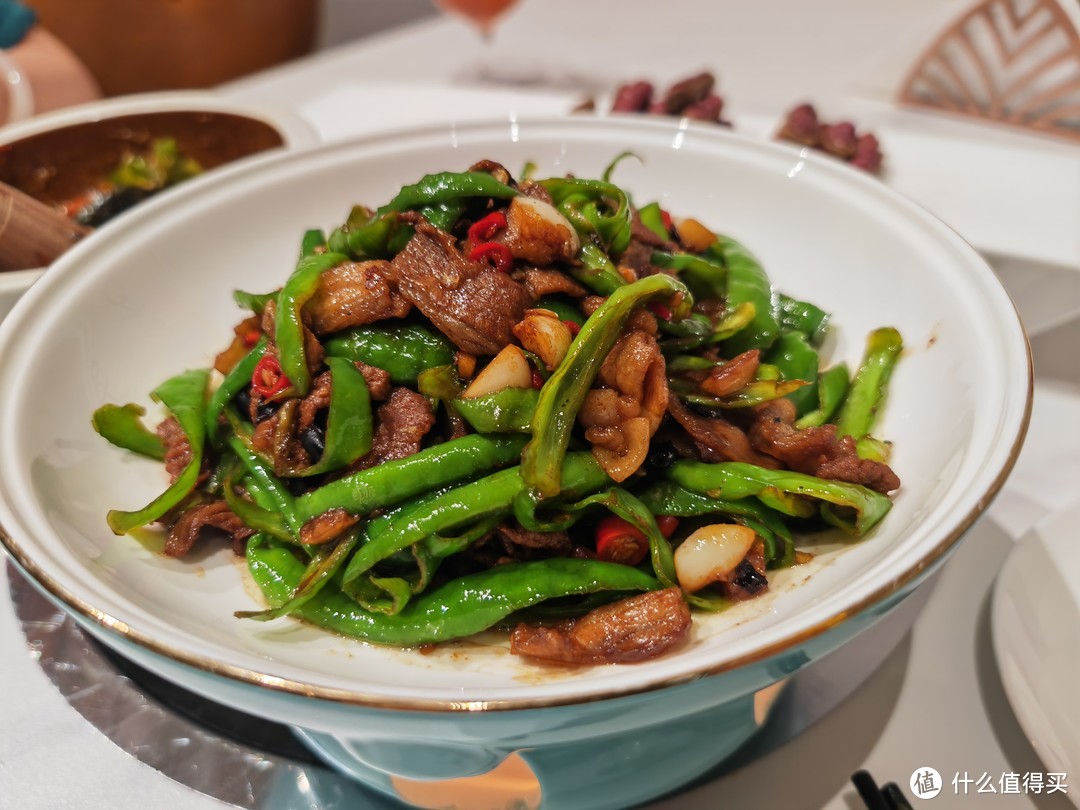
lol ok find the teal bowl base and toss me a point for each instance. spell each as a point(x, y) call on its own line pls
point(600, 773)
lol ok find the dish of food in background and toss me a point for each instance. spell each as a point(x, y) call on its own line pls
point(694, 98)
point(71, 159)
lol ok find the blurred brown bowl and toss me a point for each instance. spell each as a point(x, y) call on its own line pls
point(132, 46)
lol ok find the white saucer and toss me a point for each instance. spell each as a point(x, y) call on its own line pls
point(1036, 632)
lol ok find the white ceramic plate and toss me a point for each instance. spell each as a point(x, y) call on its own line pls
point(152, 296)
point(1035, 623)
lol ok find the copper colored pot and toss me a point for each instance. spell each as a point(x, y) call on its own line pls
point(138, 45)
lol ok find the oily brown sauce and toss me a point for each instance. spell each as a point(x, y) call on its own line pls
point(60, 164)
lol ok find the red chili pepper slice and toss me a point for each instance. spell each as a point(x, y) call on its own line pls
point(484, 229)
point(620, 542)
point(660, 311)
point(573, 326)
point(665, 217)
point(267, 380)
point(667, 524)
point(498, 254)
point(537, 380)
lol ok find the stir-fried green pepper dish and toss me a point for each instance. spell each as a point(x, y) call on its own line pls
point(491, 402)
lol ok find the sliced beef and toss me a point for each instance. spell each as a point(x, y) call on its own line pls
point(633, 629)
point(378, 381)
point(536, 191)
point(177, 448)
point(732, 376)
point(496, 170)
point(816, 450)
point(645, 236)
point(215, 515)
point(512, 535)
point(401, 424)
point(354, 294)
point(716, 439)
point(327, 526)
point(621, 416)
point(686, 92)
point(317, 399)
point(546, 282)
point(641, 319)
point(470, 302)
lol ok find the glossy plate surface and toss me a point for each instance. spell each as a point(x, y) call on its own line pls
point(1036, 631)
point(151, 297)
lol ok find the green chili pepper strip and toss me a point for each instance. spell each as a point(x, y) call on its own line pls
point(631, 509)
point(507, 411)
point(462, 607)
point(795, 358)
point(348, 424)
point(268, 485)
point(752, 394)
point(492, 495)
point(444, 215)
point(403, 351)
point(233, 384)
point(312, 240)
point(666, 498)
point(440, 383)
point(390, 595)
point(185, 398)
point(324, 563)
point(867, 393)
point(596, 271)
point(563, 393)
point(446, 187)
point(594, 207)
point(253, 301)
point(288, 328)
point(565, 309)
point(438, 196)
point(735, 480)
point(122, 426)
point(395, 481)
point(255, 517)
point(747, 283)
point(652, 219)
point(705, 278)
point(802, 316)
point(832, 388)
point(369, 240)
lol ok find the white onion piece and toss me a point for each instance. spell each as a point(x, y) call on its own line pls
point(711, 553)
point(545, 335)
point(508, 369)
point(538, 233)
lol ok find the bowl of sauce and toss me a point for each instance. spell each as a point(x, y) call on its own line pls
point(96, 161)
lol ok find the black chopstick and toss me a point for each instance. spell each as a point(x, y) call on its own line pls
point(895, 797)
point(869, 792)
